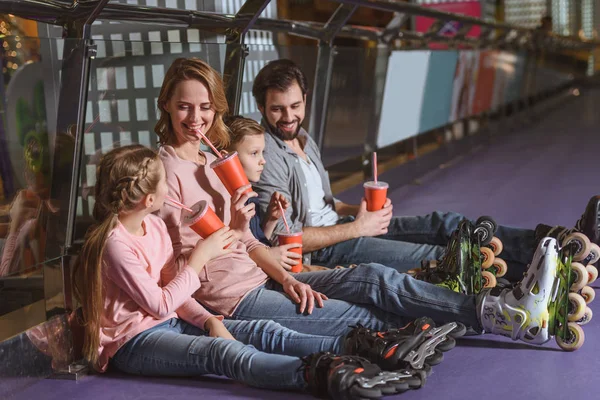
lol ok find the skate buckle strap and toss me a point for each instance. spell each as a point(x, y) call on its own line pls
point(417, 357)
point(382, 378)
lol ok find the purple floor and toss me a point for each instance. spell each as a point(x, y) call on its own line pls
point(539, 174)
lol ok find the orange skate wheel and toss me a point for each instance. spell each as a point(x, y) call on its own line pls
point(487, 257)
point(575, 339)
point(588, 294)
point(501, 267)
point(489, 280)
point(496, 246)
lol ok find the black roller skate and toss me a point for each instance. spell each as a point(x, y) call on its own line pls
point(460, 267)
point(418, 346)
point(589, 226)
point(352, 377)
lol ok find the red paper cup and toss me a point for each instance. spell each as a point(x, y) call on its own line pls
point(230, 171)
point(292, 237)
point(376, 195)
point(202, 220)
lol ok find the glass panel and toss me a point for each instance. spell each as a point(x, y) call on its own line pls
point(28, 109)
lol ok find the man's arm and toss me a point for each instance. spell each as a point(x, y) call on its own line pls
point(366, 224)
point(346, 209)
point(316, 238)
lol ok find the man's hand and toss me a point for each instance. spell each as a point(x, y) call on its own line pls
point(373, 223)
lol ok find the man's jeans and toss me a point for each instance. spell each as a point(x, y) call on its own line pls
point(412, 239)
point(375, 296)
point(176, 348)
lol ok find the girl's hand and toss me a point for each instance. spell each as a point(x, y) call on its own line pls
point(212, 247)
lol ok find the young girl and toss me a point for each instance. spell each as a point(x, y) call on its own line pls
point(247, 138)
point(140, 317)
point(250, 284)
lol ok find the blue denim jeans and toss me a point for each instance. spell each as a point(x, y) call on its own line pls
point(176, 348)
point(412, 239)
point(371, 294)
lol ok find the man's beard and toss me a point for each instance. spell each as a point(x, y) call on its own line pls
point(284, 135)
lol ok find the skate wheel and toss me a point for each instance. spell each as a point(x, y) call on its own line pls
point(587, 317)
point(413, 272)
point(575, 339)
point(487, 221)
point(459, 331)
point(436, 358)
point(496, 246)
point(576, 307)
point(489, 280)
point(484, 233)
point(581, 276)
point(448, 344)
point(594, 254)
point(501, 267)
point(583, 245)
point(487, 257)
point(588, 294)
point(592, 274)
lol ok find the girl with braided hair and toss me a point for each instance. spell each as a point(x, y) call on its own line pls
point(139, 316)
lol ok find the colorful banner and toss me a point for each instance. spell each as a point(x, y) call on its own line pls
point(437, 100)
point(450, 28)
point(486, 74)
point(464, 85)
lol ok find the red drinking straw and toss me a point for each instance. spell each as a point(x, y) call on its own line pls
point(178, 204)
point(375, 166)
point(283, 216)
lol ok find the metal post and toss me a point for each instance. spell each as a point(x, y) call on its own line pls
point(78, 49)
point(322, 82)
point(236, 51)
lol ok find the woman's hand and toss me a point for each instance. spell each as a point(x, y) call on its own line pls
point(303, 294)
point(286, 258)
point(216, 328)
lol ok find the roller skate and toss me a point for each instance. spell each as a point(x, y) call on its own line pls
point(545, 302)
point(588, 224)
point(352, 377)
point(418, 346)
point(460, 267)
point(490, 261)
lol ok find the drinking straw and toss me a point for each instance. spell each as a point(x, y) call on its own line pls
point(178, 204)
point(283, 216)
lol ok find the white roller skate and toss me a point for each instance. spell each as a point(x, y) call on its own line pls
point(545, 303)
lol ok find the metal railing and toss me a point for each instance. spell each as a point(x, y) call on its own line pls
point(76, 17)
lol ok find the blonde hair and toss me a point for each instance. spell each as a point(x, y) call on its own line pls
point(123, 179)
point(184, 69)
point(239, 127)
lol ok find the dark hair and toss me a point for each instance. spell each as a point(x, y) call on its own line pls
point(240, 127)
point(279, 75)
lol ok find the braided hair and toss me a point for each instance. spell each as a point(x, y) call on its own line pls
point(123, 179)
